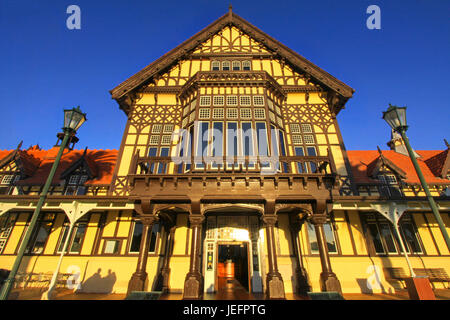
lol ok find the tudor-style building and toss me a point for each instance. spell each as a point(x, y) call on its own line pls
point(232, 164)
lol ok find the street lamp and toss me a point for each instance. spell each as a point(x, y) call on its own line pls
point(396, 118)
point(73, 119)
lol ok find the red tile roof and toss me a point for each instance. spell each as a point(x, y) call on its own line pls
point(38, 163)
point(360, 160)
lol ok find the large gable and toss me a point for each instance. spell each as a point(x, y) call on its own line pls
point(224, 35)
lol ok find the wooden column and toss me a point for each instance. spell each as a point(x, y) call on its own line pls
point(328, 279)
point(165, 270)
point(138, 281)
point(274, 281)
point(193, 285)
point(295, 225)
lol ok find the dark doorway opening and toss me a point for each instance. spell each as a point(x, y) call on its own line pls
point(233, 265)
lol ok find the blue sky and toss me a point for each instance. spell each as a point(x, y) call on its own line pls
point(45, 67)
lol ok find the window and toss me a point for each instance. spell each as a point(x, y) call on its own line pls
point(295, 128)
point(168, 128)
point(78, 232)
point(297, 139)
point(258, 100)
point(232, 113)
point(389, 185)
point(236, 66)
point(248, 142)
point(112, 246)
point(203, 113)
point(232, 101)
point(218, 100)
point(245, 100)
point(73, 179)
point(75, 183)
point(308, 138)
point(7, 222)
point(226, 65)
point(306, 128)
point(215, 65)
point(218, 113)
point(205, 101)
point(137, 236)
point(383, 236)
point(246, 65)
point(260, 113)
point(7, 179)
point(156, 128)
point(166, 139)
point(154, 140)
point(246, 113)
point(217, 141)
point(41, 233)
point(329, 237)
point(232, 141)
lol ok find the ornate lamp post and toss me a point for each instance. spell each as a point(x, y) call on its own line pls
point(396, 118)
point(73, 119)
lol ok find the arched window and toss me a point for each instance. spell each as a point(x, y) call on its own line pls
point(215, 65)
point(246, 65)
point(225, 65)
point(236, 66)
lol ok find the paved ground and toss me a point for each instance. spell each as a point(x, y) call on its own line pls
point(233, 291)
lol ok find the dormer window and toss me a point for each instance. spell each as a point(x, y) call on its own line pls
point(389, 185)
point(6, 183)
point(75, 184)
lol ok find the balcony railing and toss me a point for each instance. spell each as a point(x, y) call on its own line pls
point(312, 166)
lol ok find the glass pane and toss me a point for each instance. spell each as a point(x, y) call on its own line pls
point(388, 239)
point(63, 239)
point(112, 246)
point(162, 166)
point(42, 235)
point(312, 238)
point(78, 238)
point(329, 236)
point(232, 140)
point(153, 236)
point(373, 229)
point(137, 236)
point(311, 151)
point(411, 238)
point(217, 143)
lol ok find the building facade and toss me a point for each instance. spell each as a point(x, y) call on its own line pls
point(231, 164)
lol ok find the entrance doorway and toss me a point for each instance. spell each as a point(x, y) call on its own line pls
point(233, 265)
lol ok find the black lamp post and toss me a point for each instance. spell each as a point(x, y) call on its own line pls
point(396, 118)
point(73, 119)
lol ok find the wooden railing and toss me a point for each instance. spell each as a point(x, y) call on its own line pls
point(223, 166)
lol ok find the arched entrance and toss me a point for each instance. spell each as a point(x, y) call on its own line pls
point(232, 249)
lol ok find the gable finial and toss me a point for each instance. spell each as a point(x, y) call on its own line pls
point(230, 11)
point(446, 143)
point(20, 145)
point(379, 150)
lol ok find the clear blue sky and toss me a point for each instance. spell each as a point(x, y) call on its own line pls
point(44, 67)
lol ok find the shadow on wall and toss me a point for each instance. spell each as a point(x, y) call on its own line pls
point(98, 284)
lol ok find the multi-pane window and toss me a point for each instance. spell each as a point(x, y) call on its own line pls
point(258, 100)
point(41, 233)
point(308, 138)
point(156, 128)
point(246, 65)
point(137, 236)
point(297, 139)
point(168, 128)
point(76, 239)
point(382, 235)
point(218, 100)
point(232, 113)
point(75, 183)
point(215, 65)
point(295, 128)
point(330, 238)
point(7, 221)
point(218, 113)
point(154, 139)
point(7, 179)
point(236, 65)
point(389, 185)
point(245, 100)
point(232, 101)
point(204, 113)
point(246, 113)
point(306, 128)
point(205, 101)
point(260, 113)
point(226, 65)
point(166, 139)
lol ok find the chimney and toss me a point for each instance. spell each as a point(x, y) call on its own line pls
point(398, 145)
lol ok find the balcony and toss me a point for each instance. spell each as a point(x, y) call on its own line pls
point(154, 174)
